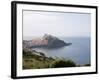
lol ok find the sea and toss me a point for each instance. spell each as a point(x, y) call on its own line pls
point(79, 51)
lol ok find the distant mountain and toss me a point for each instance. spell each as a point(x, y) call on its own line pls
point(47, 41)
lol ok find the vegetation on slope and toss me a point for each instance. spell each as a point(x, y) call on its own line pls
point(38, 60)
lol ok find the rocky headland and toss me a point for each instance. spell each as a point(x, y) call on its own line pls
point(47, 41)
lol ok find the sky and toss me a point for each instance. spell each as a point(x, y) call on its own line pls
point(63, 24)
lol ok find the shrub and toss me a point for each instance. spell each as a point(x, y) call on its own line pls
point(87, 65)
point(62, 63)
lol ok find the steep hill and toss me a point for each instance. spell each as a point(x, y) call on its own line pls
point(47, 41)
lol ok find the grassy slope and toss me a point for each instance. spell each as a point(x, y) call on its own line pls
point(36, 60)
point(31, 60)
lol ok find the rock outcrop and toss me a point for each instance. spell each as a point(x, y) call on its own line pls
point(47, 41)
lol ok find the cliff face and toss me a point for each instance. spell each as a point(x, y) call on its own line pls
point(47, 41)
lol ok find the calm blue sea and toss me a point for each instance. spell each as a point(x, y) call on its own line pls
point(79, 51)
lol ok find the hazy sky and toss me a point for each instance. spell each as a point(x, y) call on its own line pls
point(56, 23)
